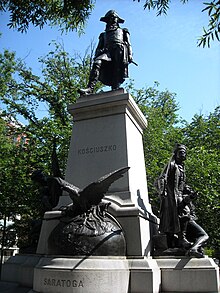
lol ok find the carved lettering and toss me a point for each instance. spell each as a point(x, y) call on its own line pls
point(62, 283)
point(53, 282)
point(58, 283)
point(97, 149)
point(80, 284)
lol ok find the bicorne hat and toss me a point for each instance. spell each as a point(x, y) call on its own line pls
point(109, 14)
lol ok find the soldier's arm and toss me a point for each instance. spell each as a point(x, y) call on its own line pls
point(128, 44)
point(100, 48)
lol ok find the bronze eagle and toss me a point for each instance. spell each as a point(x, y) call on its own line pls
point(91, 195)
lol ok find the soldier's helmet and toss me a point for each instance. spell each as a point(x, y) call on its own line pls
point(109, 14)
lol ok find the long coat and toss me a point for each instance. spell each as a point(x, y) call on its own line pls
point(169, 220)
point(115, 56)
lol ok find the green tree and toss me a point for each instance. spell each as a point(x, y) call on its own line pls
point(29, 96)
point(212, 8)
point(163, 131)
point(23, 97)
point(15, 186)
point(202, 137)
point(68, 14)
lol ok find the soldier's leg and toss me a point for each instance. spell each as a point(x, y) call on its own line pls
point(93, 78)
point(200, 236)
point(117, 57)
point(182, 240)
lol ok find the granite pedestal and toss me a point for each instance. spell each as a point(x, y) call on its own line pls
point(107, 135)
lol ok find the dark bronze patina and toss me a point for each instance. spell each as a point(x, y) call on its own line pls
point(112, 56)
point(177, 216)
point(86, 227)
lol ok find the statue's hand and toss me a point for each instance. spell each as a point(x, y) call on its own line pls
point(130, 58)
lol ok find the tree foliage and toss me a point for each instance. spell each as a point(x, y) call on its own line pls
point(213, 30)
point(41, 103)
point(71, 15)
point(163, 131)
point(212, 8)
point(201, 137)
point(68, 14)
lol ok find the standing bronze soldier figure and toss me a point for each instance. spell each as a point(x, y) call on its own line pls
point(177, 211)
point(112, 56)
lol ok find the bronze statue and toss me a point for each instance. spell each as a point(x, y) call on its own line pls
point(49, 190)
point(112, 56)
point(177, 214)
point(91, 195)
point(86, 227)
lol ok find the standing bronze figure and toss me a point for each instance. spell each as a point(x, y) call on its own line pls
point(112, 56)
point(177, 216)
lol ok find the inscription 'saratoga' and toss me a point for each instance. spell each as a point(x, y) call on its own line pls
point(63, 282)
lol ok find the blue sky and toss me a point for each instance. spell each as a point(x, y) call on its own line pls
point(165, 48)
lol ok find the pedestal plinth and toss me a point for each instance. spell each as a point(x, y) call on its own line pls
point(96, 274)
point(190, 275)
point(107, 135)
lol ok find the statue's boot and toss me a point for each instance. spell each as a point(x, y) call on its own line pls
point(196, 250)
point(183, 242)
point(194, 253)
point(93, 78)
point(116, 86)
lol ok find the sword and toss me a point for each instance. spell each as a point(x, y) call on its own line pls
point(134, 63)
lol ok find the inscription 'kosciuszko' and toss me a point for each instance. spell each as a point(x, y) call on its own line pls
point(97, 149)
point(63, 282)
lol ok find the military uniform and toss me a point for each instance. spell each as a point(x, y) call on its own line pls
point(112, 56)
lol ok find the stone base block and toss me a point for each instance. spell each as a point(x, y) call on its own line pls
point(145, 276)
point(50, 221)
point(96, 275)
point(81, 275)
point(9, 287)
point(20, 269)
point(188, 275)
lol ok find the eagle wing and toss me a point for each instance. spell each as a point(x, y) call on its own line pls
point(55, 191)
point(94, 192)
